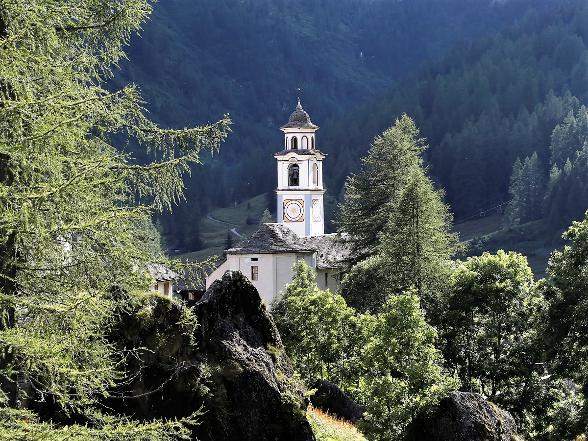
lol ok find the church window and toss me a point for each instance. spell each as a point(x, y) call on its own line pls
point(315, 175)
point(312, 142)
point(294, 143)
point(326, 280)
point(304, 142)
point(294, 175)
point(254, 259)
point(254, 273)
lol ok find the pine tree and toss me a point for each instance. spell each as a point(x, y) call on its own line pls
point(513, 209)
point(266, 217)
point(417, 244)
point(413, 243)
point(527, 191)
point(73, 210)
point(370, 195)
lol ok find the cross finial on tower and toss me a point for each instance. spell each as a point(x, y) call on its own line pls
point(299, 106)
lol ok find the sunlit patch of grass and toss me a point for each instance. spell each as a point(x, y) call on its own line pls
point(328, 428)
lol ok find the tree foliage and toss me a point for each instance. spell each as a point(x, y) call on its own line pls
point(320, 332)
point(527, 191)
point(491, 327)
point(73, 208)
point(403, 374)
point(387, 361)
point(396, 223)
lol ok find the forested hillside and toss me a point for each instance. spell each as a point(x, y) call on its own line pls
point(199, 60)
point(484, 105)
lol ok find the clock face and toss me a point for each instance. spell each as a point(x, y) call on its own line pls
point(317, 212)
point(294, 210)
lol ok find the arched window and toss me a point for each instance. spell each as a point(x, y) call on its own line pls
point(293, 175)
point(315, 175)
point(304, 142)
point(312, 142)
point(294, 143)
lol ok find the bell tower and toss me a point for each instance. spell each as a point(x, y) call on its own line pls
point(300, 177)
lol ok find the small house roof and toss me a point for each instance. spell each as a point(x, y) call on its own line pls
point(161, 273)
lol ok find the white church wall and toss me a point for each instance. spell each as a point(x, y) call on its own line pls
point(328, 279)
point(265, 264)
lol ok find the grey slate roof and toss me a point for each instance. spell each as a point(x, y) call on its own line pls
point(299, 119)
point(161, 273)
point(270, 239)
point(277, 238)
point(332, 252)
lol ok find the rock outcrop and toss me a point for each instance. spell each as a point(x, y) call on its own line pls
point(330, 398)
point(464, 417)
point(231, 364)
point(253, 397)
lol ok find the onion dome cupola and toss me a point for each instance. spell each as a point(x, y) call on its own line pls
point(299, 119)
point(299, 131)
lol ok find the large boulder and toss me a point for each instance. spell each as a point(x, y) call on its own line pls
point(253, 396)
point(464, 417)
point(222, 355)
point(331, 399)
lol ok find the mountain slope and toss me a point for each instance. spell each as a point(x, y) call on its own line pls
point(197, 60)
point(485, 104)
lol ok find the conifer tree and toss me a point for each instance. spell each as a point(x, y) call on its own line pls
point(266, 217)
point(411, 243)
point(73, 208)
point(370, 195)
point(527, 191)
point(418, 245)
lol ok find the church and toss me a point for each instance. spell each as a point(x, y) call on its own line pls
point(267, 257)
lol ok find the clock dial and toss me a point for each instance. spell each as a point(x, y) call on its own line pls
point(294, 210)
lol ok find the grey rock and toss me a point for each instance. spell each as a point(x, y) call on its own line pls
point(464, 416)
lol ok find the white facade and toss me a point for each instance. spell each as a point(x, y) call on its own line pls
point(268, 256)
point(164, 287)
point(269, 273)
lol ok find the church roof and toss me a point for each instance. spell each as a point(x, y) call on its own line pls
point(269, 239)
point(277, 238)
point(299, 119)
point(332, 252)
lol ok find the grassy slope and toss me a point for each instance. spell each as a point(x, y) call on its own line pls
point(215, 227)
point(327, 428)
point(532, 239)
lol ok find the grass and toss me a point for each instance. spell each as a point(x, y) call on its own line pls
point(214, 228)
point(328, 428)
point(479, 227)
point(533, 239)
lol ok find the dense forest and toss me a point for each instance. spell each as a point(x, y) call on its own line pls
point(196, 61)
point(487, 103)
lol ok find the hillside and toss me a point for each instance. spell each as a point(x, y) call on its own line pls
point(485, 104)
point(199, 60)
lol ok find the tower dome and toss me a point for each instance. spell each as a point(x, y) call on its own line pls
point(299, 119)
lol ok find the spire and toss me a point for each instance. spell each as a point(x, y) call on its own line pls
point(299, 106)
